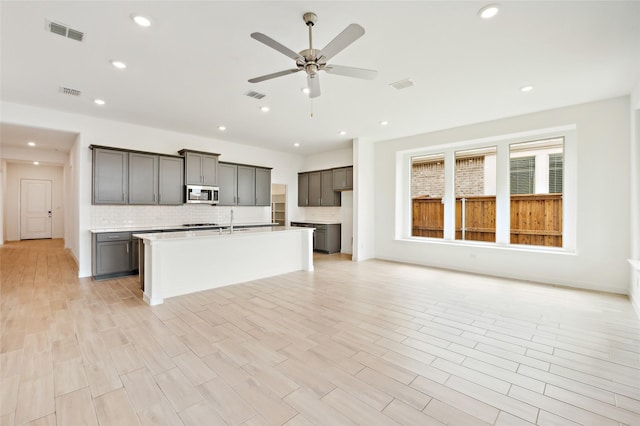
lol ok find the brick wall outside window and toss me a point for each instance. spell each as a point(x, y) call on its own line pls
point(427, 179)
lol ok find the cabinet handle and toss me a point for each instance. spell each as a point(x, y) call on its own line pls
point(127, 247)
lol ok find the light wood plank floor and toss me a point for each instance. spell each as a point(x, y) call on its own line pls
point(370, 343)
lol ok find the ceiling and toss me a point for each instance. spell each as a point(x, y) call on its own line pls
point(188, 72)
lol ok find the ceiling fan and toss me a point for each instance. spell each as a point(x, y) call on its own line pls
point(314, 60)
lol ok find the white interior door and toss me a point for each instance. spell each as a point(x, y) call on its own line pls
point(35, 209)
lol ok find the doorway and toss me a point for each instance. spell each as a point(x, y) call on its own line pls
point(279, 204)
point(35, 209)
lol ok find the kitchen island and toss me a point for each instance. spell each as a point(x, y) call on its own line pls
point(186, 262)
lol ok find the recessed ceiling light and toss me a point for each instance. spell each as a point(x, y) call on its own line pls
point(31, 143)
point(141, 20)
point(384, 123)
point(342, 133)
point(222, 128)
point(489, 11)
point(35, 163)
point(526, 89)
point(99, 102)
point(264, 109)
point(296, 144)
point(305, 90)
point(119, 64)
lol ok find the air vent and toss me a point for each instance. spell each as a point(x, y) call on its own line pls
point(254, 95)
point(69, 91)
point(402, 84)
point(63, 30)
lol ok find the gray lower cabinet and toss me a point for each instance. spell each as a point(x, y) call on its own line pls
point(110, 176)
point(111, 254)
point(170, 180)
point(327, 238)
point(143, 178)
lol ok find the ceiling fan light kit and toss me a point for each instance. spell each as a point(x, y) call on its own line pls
point(312, 61)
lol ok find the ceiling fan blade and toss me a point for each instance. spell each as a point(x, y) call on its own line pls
point(273, 75)
point(275, 45)
point(314, 86)
point(351, 72)
point(342, 40)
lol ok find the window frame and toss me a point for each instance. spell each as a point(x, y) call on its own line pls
point(403, 201)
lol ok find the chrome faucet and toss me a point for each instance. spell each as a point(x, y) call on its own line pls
point(231, 223)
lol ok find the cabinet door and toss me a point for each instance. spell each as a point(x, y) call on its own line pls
point(343, 178)
point(209, 170)
point(303, 189)
point(135, 248)
point(110, 176)
point(246, 186)
point(228, 183)
point(329, 197)
point(320, 240)
point(171, 180)
point(339, 179)
point(193, 164)
point(263, 187)
point(143, 178)
point(113, 257)
point(349, 178)
point(315, 189)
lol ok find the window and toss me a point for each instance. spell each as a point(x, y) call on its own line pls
point(427, 190)
point(555, 173)
point(522, 173)
point(509, 192)
point(475, 182)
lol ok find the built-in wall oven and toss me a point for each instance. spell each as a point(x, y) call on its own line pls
point(202, 194)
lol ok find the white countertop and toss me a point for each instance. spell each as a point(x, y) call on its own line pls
point(159, 228)
point(317, 222)
point(184, 235)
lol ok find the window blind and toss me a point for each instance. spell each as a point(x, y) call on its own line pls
point(555, 173)
point(522, 175)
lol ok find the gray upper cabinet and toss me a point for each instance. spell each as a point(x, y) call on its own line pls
point(242, 185)
point(263, 187)
point(343, 178)
point(303, 189)
point(110, 176)
point(201, 168)
point(246, 186)
point(171, 180)
point(228, 184)
point(329, 196)
point(143, 178)
point(315, 189)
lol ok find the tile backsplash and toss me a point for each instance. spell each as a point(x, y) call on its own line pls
point(320, 214)
point(125, 216)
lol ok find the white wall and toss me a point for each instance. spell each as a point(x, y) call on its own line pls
point(18, 171)
point(3, 190)
point(365, 196)
point(94, 131)
point(634, 282)
point(603, 219)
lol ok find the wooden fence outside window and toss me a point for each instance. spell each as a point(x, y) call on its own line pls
point(535, 219)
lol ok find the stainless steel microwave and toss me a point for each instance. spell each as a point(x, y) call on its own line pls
point(202, 194)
